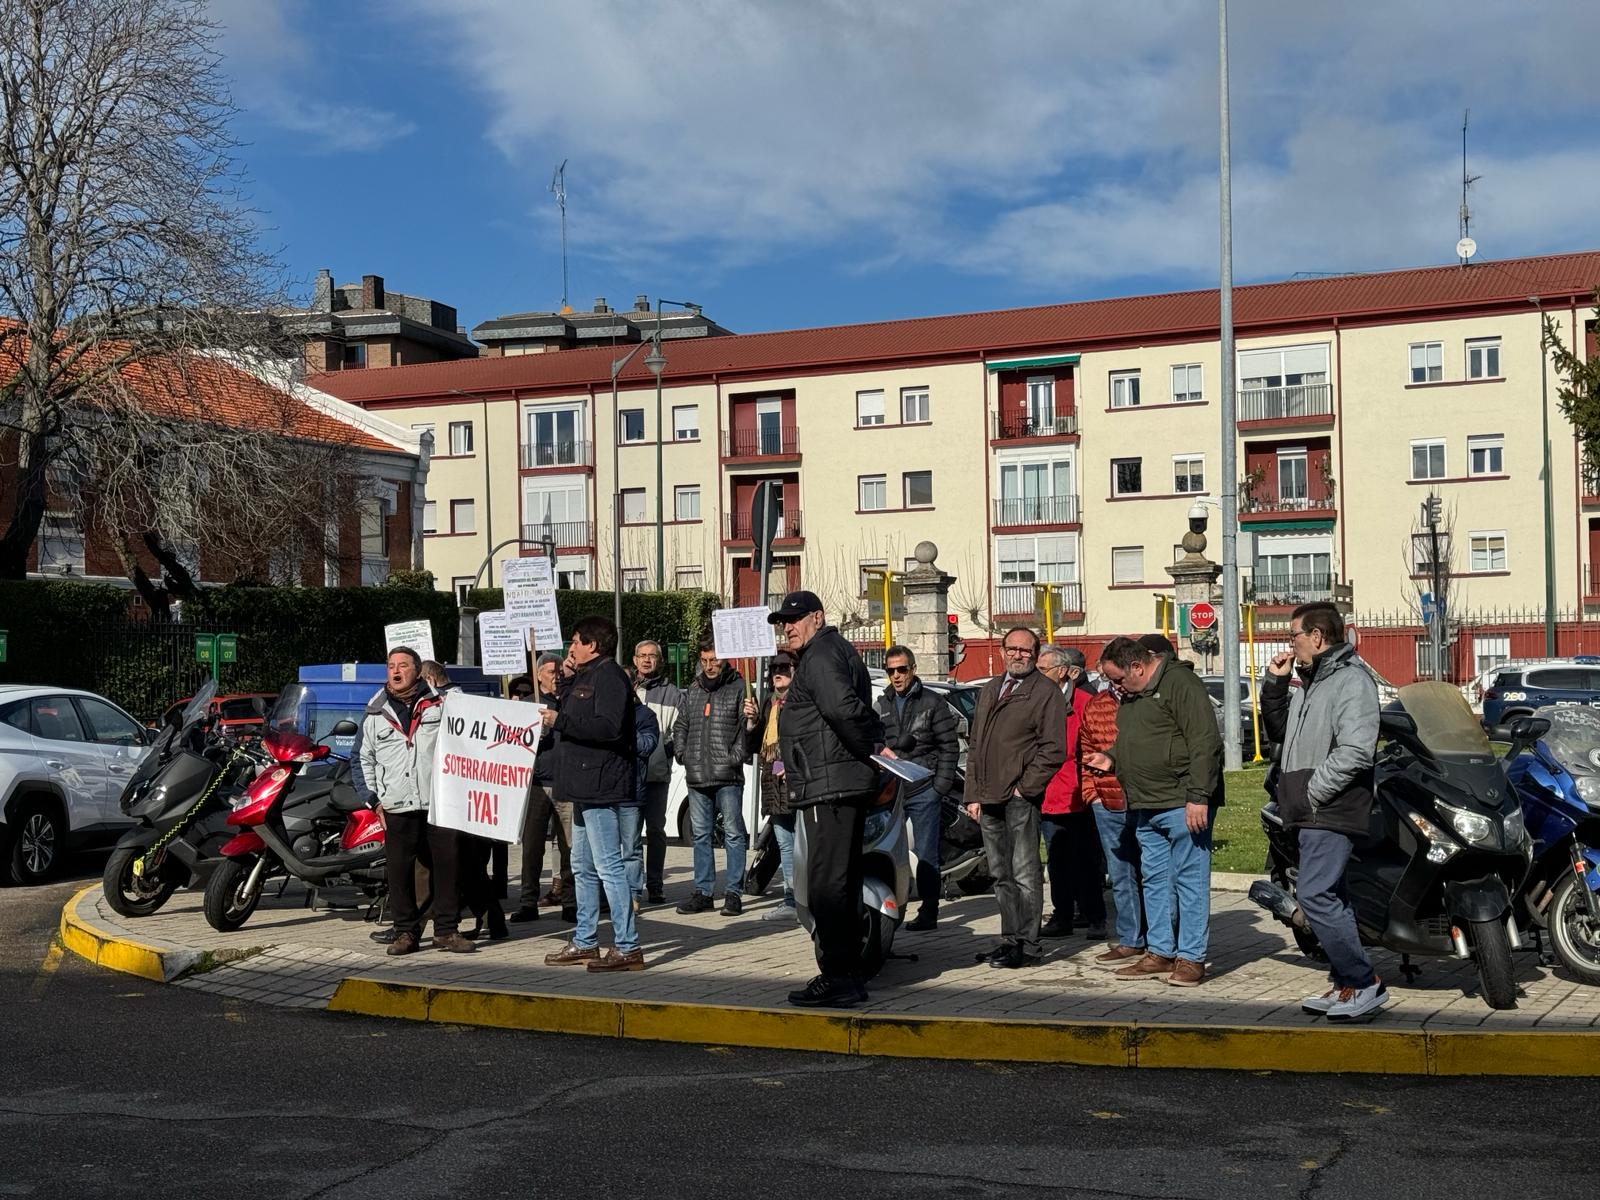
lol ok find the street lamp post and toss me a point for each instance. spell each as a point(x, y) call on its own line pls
point(1230, 434)
point(657, 362)
point(616, 492)
point(1549, 503)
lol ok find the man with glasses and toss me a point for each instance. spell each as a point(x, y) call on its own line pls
point(661, 696)
point(1325, 716)
point(1018, 743)
point(920, 726)
point(1071, 842)
point(827, 734)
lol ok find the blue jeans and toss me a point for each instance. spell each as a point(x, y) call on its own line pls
point(1176, 865)
point(1319, 887)
point(923, 811)
point(596, 861)
point(729, 800)
point(630, 828)
point(783, 830)
point(1122, 864)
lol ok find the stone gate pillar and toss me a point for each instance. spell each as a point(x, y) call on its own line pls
point(925, 627)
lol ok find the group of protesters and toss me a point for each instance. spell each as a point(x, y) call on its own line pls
point(1118, 772)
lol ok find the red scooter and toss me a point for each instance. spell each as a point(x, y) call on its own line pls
point(301, 819)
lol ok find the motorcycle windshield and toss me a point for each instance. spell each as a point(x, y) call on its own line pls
point(1573, 739)
point(293, 711)
point(1445, 724)
point(201, 703)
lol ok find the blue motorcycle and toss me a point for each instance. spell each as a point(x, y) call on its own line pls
point(1558, 783)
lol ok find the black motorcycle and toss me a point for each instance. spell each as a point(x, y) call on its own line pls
point(1445, 850)
point(180, 795)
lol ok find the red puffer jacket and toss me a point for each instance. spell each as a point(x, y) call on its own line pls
point(1063, 793)
point(1098, 732)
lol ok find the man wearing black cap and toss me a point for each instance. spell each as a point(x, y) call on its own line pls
point(827, 734)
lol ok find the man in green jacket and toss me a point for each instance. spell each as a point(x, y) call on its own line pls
point(1168, 759)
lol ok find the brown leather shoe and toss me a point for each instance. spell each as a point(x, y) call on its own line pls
point(571, 956)
point(1148, 967)
point(1187, 974)
point(1119, 956)
point(406, 943)
point(614, 960)
point(454, 942)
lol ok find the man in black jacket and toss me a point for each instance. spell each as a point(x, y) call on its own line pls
point(827, 734)
point(920, 726)
point(709, 742)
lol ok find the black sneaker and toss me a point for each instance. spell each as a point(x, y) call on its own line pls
point(823, 992)
point(697, 903)
point(1096, 933)
point(656, 897)
point(999, 952)
point(925, 921)
point(385, 937)
point(1056, 926)
point(528, 912)
point(732, 906)
point(1014, 957)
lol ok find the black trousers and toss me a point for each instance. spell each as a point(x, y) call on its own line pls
point(833, 882)
point(408, 839)
point(1076, 866)
point(478, 893)
point(655, 836)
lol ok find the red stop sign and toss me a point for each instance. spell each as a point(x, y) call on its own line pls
point(1202, 615)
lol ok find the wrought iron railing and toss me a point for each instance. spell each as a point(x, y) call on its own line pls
point(1285, 403)
point(1036, 510)
point(556, 454)
point(568, 534)
point(1286, 590)
point(755, 443)
point(1026, 425)
point(1017, 599)
point(739, 526)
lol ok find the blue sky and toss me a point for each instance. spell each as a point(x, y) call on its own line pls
point(811, 162)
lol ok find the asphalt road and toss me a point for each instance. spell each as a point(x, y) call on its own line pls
point(110, 1086)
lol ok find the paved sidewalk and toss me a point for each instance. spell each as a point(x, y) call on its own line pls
point(295, 956)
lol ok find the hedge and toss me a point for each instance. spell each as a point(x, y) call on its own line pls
point(665, 617)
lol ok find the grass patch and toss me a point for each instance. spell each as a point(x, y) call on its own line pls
point(1238, 843)
point(210, 960)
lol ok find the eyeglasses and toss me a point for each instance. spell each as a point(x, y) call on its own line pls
point(520, 694)
point(1299, 633)
point(784, 671)
point(897, 670)
point(1020, 651)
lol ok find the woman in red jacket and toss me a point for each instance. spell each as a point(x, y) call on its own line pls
point(1104, 795)
point(1071, 840)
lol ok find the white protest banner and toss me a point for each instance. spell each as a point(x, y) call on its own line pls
point(486, 754)
point(416, 634)
point(502, 649)
point(527, 570)
point(534, 609)
point(743, 633)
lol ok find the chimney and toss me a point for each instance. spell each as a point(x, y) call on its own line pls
point(600, 305)
point(641, 303)
point(372, 291)
point(322, 299)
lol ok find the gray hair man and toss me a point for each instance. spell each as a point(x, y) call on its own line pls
point(1075, 867)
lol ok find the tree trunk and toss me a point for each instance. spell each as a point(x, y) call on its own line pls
point(157, 597)
point(26, 517)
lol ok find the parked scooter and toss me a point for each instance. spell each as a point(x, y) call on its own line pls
point(963, 866)
point(180, 794)
point(1446, 849)
point(1558, 782)
point(285, 821)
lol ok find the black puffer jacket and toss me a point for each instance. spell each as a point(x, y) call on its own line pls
point(828, 730)
point(925, 733)
point(595, 755)
point(708, 738)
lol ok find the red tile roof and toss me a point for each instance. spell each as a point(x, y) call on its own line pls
point(1258, 308)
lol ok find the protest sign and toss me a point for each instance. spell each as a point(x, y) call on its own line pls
point(743, 633)
point(527, 570)
point(534, 609)
point(416, 634)
point(486, 754)
point(502, 647)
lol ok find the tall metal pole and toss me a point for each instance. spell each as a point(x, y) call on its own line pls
point(661, 545)
point(1549, 504)
point(1230, 444)
point(616, 495)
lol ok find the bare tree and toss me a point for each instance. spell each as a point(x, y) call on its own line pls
point(1429, 556)
point(123, 241)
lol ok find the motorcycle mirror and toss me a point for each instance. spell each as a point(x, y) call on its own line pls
point(1525, 731)
point(1396, 723)
point(345, 728)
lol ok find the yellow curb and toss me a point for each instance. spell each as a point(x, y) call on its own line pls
point(131, 957)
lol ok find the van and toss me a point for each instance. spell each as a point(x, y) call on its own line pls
point(1517, 691)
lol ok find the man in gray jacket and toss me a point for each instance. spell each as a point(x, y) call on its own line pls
point(661, 696)
point(1326, 721)
point(708, 740)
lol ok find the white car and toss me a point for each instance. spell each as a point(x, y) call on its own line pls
point(65, 757)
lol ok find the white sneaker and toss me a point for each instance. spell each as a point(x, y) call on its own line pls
point(782, 912)
point(1360, 1004)
point(1318, 1006)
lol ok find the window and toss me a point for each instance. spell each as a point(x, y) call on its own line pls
point(1483, 358)
point(572, 578)
point(1049, 559)
point(55, 720)
point(1489, 651)
point(690, 579)
point(1488, 551)
point(1486, 454)
point(914, 406)
point(1427, 362)
point(426, 427)
point(555, 437)
point(630, 425)
point(1125, 389)
point(918, 489)
point(635, 579)
point(60, 544)
point(355, 354)
point(1188, 473)
point(1127, 476)
point(374, 527)
point(869, 408)
point(1422, 553)
point(771, 437)
point(685, 422)
point(109, 726)
point(460, 437)
point(1427, 460)
point(1038, 491)
point(430, 516)
point(874, 493)
point(686, 502)
point(1127, 564)
point(1292, 477)
point(633, 506)
point(1186, 387)
point(461, 585)
point(1291, 574)
point(1042, 402)
point(463, 516)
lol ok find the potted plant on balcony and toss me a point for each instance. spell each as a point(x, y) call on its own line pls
point(1250, 499)
point(1329, 483)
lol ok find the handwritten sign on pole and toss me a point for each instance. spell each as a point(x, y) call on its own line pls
point(534, 609)
point(486, 754)
point(534, 571)
point(502, 645)
point(416, 634)
point(743, 633)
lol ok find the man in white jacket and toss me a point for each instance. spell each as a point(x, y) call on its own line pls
point(660, 695)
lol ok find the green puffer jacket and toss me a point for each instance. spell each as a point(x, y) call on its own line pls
point(1168, 752)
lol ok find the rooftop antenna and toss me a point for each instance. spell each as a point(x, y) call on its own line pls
point(1466, 247)
point(558, 186)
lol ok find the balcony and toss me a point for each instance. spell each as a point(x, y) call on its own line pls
point(1298, 404)
point(1033, 511)
point(1591, 584)
point(1020, 600)
point(738, 527)
point(761, 445)
point(1589, 479)
point(545, 456)
point(1022, 426)
point(1262, 507)
point(1287, 591)
point(569, 535)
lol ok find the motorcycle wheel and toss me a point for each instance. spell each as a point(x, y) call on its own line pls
point(1491, 948)
point(133, 895)
point(1576, 939)
point(229, 898)
point(976, 884)
point(875, 945)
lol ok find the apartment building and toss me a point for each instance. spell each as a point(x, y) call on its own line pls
point(351, 326)
point(1063, 444)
